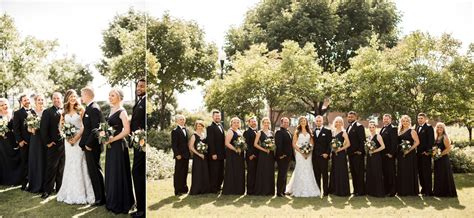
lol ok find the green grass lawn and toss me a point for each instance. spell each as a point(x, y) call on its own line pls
point(161, 202)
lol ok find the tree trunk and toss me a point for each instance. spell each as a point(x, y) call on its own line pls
point(162, 109)
point(469, 128)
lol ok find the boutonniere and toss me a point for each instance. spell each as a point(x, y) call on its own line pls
point(323, 134)
point(87, 115)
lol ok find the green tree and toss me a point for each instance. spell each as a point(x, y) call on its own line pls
point(66, 74)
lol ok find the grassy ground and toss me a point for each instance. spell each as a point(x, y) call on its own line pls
point(162, 203)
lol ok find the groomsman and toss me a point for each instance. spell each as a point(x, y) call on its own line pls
point(216, 152)
point(139, 160)
point(179, 143)
point(22, 136)
point(356, 153)
point(50, 135)
point(426, 135)
point(390, 139)
point(251, 155)
point(322, 138)
point(284, 153)
point(90, 144)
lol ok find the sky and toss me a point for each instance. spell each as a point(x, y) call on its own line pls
point(216, 17)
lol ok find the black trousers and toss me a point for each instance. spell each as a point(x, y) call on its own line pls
point(282, 174)
point(357, 168)
point(320, 168)
point(389, 176)
point(425, 174)
point(138, 172)
point(251, 175)
point(54, 167)
point(180, 176)
point(96, 175)
point(24, 163)
point(216, 174)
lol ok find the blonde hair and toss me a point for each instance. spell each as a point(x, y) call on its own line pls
point(445, 134)
point(266, 118)
point(89, 91)
point(119, 92)
point(338, 118)
point(400, 125)
point(200, 123)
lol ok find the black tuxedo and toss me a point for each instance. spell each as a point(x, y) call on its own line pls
point(139, 160)
point(215, 142)
point(322, 145)
point(21, 133)
point(249, 136)
point(50, 133)
point(390, 139)
point(426, 136)
point(283, 143)
point(91, 120)
point(356, 135)
point(179, 143)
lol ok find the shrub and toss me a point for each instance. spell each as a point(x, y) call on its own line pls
point(461, 161)
point(463, 144)
point(160, 164)
point(159, 139)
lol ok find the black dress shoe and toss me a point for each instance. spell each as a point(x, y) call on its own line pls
point(138, 214)
point(45, 195)
point(98, 203)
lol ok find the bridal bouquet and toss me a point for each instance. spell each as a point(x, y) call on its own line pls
point(370, 146)
point(104, 132)
point(138, 139)
point(201, 147)
point(240, 144)
point(436, 153)
point(305, 148)
point(405, 145)
point(68, 131)
point(32, 122)
point(269, 144)
point(3, 127)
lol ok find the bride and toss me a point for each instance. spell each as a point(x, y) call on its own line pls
point(76, 186)
point(303, 182)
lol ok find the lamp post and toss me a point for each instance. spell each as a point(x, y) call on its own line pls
point(222, 57)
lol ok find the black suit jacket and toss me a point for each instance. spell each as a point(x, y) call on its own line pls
point(215, 141)
point(249, 136)
point(322, 143)
point(91, 120)
point(138, 115)
point(19, 126)
point(179, 143)
point(283, 143)
point(50, 131)
point(390, 139)
point(426, 136)
point(356, 138)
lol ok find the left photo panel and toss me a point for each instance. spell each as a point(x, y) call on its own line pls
point(72, 108)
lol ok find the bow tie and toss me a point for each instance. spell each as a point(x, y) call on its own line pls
point(318, 128)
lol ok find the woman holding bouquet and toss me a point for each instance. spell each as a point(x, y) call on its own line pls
point(234, 177)
point(339, 178)
point(443, 173)
point(374, 184)
point(10, 168)
point(37, 152)
point(407, 171)
point(200, 171)
point(118, 179)
point(265, 181)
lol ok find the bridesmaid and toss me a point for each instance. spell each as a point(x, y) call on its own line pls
point(265, 181)
point(200, 171)
point(10, 168)
point(37, 151)
point(443, 173)
point(339, 178)
point(374, 183)
point(234, 177)
point(407, 171)
point(118, 180)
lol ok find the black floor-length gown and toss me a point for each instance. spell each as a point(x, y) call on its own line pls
point(118, 179)
point(265, 181)
point(339, 178)
point(407, 170)
point(10, 160)
point(374, 184)
point(200, 173)
point(36, 163)
point(443, 175)
point(234, 175)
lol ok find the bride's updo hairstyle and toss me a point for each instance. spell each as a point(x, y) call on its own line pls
point(299, 128)
point(77, 106)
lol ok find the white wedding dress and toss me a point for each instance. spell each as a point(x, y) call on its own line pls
point(76, 186)
point(303, 182)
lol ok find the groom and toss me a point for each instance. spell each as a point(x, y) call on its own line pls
point(50, 135)
point(322, 138)
point(90, 144)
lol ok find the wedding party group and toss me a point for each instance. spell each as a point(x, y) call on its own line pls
point(391, 161)
point(57, 150)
